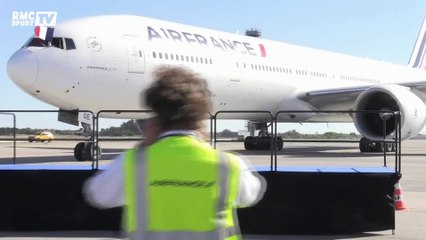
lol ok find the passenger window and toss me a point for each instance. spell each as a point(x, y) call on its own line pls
point(69, 44)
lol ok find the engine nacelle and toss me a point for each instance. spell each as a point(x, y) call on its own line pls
point(389, 98)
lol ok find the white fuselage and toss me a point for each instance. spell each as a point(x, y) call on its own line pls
point(114, 58)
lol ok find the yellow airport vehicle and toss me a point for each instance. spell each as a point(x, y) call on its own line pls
point(41, 137)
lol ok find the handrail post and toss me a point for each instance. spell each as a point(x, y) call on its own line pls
point(276, 138)
point(14, 133)
point(95, 132)
point(14, 138)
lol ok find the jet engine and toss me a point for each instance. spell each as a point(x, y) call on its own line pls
point(389, 98)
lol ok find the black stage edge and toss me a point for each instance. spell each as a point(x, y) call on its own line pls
point(322, 203)
point(294, 203)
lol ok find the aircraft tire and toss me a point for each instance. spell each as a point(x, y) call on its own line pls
point(379, 147)
point(364, 145)
point(248, 143)
point(88, 152)
point(79, 151)
point(389, 147)
point(393, 147)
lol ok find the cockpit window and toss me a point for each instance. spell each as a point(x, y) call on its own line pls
point(69, 43)
point(56, 42)
point(35, 42)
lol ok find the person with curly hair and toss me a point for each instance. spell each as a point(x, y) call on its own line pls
point(177, 186)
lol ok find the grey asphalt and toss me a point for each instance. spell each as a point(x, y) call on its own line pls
point(410, 224)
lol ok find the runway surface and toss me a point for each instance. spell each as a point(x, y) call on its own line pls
point(410, 224)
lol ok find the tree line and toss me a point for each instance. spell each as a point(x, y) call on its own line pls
point(129, 128)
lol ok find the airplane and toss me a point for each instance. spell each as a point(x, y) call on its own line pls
point(105, 62)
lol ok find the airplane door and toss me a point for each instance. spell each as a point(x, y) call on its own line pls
point(135, 54)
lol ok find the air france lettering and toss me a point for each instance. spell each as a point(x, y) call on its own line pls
point(193, 38)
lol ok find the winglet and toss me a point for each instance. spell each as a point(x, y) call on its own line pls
point(417, 59)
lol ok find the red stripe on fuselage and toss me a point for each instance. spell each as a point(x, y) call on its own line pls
point(262, 50)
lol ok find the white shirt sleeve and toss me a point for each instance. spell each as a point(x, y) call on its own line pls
point(105, 189)
point(252, 185)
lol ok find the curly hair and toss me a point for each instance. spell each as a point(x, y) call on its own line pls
point(179, 97)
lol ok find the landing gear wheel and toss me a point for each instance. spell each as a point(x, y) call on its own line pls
point(364, 145)
point(393, 147)
point(386, 147)
point(262, 143)
point(89, 151)
point(248, 143)
point(85, 151)
point(79, 151)
point(389, 147)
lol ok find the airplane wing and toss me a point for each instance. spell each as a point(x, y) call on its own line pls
point(343, 99)
point(420, 86)
point(338, 99)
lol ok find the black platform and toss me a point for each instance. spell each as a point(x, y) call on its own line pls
point(305, 200)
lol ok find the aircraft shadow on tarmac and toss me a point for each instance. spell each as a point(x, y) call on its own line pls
point(310, 152)
point(314, 152)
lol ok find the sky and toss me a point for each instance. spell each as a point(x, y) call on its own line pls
point(379, 29)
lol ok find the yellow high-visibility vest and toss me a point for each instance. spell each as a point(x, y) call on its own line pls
point(180, 188)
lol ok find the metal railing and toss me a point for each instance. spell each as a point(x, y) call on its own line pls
point(14, 112)
point(14, 133)
point(96, 129)
point(395, 140)
point(269, 117)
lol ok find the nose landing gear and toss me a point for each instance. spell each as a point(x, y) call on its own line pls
point(86, 151)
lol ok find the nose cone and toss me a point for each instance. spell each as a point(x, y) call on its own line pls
point(22, 68)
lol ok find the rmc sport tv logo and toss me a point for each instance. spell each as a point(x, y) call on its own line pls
point(31, 19)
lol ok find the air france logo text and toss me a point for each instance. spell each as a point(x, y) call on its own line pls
point(31, 19)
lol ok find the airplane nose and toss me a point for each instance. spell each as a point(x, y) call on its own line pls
point(22, 68)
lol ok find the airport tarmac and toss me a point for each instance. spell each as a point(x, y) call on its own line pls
point(410, 224)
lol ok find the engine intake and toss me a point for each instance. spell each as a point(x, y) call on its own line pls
point(389, 98)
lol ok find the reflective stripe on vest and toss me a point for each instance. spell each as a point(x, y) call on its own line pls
point(185, 191)
point(130, 185)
